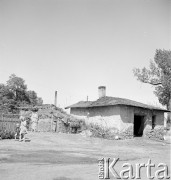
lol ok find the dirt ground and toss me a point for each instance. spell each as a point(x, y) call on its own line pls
point(52, 156)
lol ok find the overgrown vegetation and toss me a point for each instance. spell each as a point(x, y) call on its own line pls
point(4, 134)
point(158, 75)
point(156, 133)
point(109, 133)
point(14, 94)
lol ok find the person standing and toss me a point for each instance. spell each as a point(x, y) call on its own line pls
point(23, 129)
point(34, 121)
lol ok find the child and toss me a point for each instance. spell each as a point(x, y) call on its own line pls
point(23, 129)
point(17, 131)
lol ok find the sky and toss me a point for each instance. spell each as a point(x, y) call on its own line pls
point(74, 46)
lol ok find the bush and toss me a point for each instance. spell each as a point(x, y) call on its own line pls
point(109, 133)
point(127, 133)
point(6, 134)
point(102, 132)
point(157, 133)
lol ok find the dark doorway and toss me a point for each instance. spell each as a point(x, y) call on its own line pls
point(153, 121)
point(138, 125)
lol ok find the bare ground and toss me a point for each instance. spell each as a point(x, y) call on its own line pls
point(51, 156)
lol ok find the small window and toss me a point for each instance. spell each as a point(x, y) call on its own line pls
point(153, 122)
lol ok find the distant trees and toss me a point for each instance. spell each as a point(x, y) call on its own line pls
point(158, 75)
point(14, 94)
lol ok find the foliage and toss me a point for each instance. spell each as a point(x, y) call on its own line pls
point(156, 133)
point(16, 84)
point(102, 131)
point(39, 101)
point(14, 94)
point(32, 96)
point(6, 134)
point(158, 75)
point(7, 101)
point(127, 133)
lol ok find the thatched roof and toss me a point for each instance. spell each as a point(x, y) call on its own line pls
point(113, 101)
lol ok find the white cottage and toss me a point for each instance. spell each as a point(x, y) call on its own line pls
point(119, 113)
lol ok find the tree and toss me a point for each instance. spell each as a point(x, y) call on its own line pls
point(14, 94)
point(7, 101)
point(39, 101)
point(18, 87)
point(34, 100)
point(158, 75)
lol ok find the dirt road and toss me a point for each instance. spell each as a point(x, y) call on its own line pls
point(50, 156)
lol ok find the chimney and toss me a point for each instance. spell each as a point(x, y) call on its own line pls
point(102, 91)
point(55, 101)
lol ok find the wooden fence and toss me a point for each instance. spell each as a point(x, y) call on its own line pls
point(8, 121)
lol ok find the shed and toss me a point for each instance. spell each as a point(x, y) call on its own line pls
point(120, 114)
